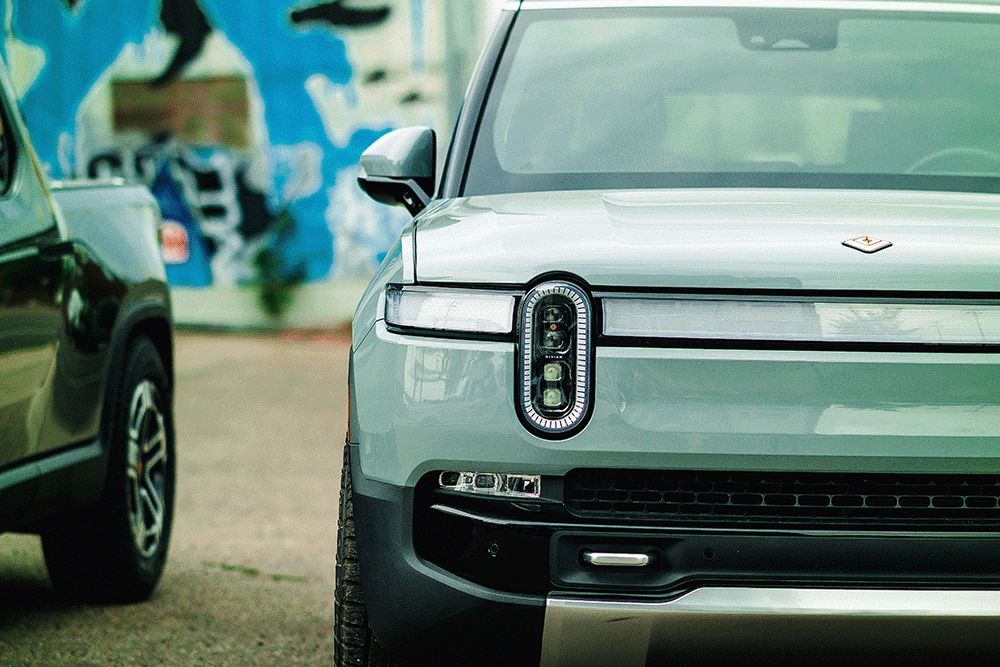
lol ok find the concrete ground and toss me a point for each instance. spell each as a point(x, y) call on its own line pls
point(260, 425)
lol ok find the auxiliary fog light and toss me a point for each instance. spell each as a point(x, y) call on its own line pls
point(552, 372)
point(552, 398)
point(492, 484)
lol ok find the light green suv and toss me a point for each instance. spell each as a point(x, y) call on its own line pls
point(693, 350)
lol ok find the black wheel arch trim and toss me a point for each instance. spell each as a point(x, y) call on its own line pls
point(129, 324)
point(419, 610)
point(149, 311)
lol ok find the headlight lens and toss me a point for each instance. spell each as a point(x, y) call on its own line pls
point(465, 311)
point(554, 367)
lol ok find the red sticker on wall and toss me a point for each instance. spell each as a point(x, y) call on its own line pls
point(175, 244)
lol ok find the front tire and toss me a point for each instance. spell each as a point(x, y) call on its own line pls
point(353, 641)
point(116, 549)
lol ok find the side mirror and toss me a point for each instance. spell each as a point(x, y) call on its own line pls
point(398, 169)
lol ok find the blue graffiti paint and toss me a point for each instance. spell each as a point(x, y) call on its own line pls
point(283, 57)
point(197, 271)
point(80, 46)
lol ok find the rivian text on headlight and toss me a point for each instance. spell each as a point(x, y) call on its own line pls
point(454, 310)
point(554, 373)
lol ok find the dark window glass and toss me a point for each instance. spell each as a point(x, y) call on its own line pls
point(668, 97)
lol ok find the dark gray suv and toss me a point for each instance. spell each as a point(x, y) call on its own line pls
point(86, 375)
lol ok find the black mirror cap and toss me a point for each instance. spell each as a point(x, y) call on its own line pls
point(407, 192)
point(399, 168)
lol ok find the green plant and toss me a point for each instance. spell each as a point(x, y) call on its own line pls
point(276, 283)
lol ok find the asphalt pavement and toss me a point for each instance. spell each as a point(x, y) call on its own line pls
point(260, 425)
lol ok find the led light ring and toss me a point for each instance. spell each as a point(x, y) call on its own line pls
point(581, 397)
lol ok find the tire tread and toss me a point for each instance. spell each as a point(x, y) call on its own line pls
point(353, 641)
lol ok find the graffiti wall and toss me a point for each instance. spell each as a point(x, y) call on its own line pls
point(246, 119)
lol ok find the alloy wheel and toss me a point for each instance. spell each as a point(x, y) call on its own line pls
point(146, 471)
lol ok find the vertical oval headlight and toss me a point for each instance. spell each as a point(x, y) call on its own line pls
point(554, 373)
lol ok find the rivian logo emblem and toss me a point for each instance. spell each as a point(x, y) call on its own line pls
point(867, 244)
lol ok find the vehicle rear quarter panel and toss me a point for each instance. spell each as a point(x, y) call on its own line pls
point(116, 272)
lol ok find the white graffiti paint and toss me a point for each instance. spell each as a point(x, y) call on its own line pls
point(24, 61)
point(361, 228)
point(387, 91)
point(301, 165)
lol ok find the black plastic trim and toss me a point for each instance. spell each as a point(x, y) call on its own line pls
point(353, 429)
point(688, 558)
point(449, 335)
point(128, 322)
point(409, 193)
point(574, 523)
point(420, 611)
point(681, 562)
point(31, 489)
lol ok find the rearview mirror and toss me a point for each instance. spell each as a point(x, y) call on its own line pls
point(398, 169)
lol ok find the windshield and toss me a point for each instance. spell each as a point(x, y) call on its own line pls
point(668, 97)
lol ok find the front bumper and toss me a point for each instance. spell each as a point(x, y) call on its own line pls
point(714, 594)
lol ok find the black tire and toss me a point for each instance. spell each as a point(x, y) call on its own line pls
point(93, 553)
point(353, 641)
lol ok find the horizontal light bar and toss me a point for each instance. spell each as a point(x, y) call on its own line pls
point(467, 311)
point(492, 484)
point(793, 320)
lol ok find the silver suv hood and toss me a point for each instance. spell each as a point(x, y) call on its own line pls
point(729, 239)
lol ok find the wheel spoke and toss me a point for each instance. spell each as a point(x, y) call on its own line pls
point(153, 494)
point(139, 408)
point(157, 456)
point(154, 501)
point(155, 446)
point(155, 509)
point(138, 519)
point(147, 451)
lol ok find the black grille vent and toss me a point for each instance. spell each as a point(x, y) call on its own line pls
point(939, 502)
